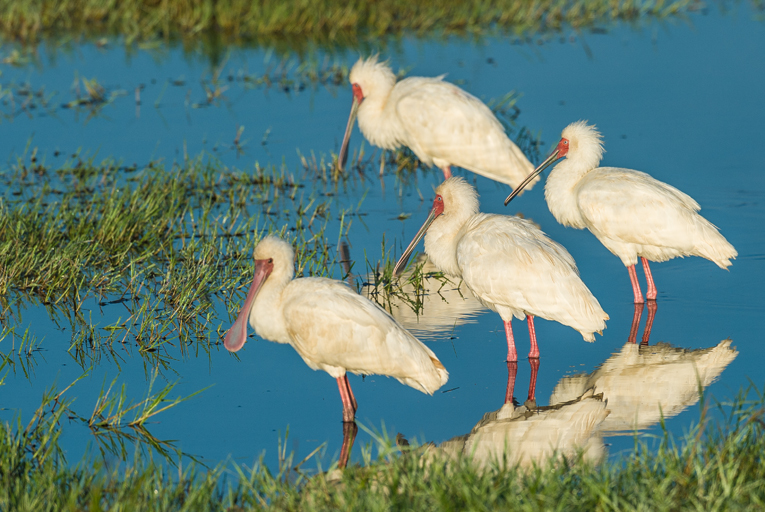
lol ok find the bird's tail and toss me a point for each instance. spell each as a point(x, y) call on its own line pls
point(428, 378)
point(443, 375)
point(710, 244)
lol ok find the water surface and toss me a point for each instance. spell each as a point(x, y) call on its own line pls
point(682, 102)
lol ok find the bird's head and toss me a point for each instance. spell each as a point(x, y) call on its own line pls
point(578, 141)
point(369, 79)
point(456, 201)
point(581, 141)
point(272, 256)
point(276, 253)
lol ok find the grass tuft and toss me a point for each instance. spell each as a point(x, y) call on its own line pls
point(718, 465)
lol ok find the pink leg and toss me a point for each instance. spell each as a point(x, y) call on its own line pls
point(349, 436)
point(512, 371)
point(447, 172)
point(348, 413)
point(651, 292)
point(512, 355)
point(649, 323)
point(350, 394)
point(533, 382)
point(635, 285)
point(635, 322)
point(534, 354)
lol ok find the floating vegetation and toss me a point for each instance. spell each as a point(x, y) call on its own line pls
point(90, 96)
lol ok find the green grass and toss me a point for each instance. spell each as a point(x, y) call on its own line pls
point(167, 246)
point(300, 22)
point(717, 466)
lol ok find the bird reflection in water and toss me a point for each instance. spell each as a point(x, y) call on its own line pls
point(652, 307)
point(512, 371)
point(350, 429)
point(631, 390)
point(431, 308)
point(644, 383)
point(525, 435)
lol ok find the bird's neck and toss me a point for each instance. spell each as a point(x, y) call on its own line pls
point(442, 239)
point(266, 315)
point(378, 122)
point(561, 191)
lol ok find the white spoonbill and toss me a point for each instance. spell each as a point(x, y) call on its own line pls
point(332, 327)
point(630, 212)
point(442, 124)
point(509, 264)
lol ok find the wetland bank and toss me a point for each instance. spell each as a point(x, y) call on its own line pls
point(142, 167)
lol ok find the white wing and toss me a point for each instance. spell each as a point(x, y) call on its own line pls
point(509, 263)
point(446, 125)
point(335, 329)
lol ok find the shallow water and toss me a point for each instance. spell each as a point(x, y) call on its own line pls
point(682, 102)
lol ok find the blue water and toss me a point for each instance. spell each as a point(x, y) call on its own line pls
point(680, 101)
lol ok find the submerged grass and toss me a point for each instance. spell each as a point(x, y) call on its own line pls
point(113, 428)
point(169, 245)
point(717, 466)
point(88, 97)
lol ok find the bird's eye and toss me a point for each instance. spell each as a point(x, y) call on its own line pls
point(439, 199)
point(270, 260)
point(565, 143)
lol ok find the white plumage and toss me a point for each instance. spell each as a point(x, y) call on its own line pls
point(632, 214)
point(509, 264)
point(332, 327)
point(442, 124)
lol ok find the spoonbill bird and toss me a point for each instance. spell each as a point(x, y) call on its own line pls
point(630, 212)
point(442, 124)
point(332, 327)
point(509, 264)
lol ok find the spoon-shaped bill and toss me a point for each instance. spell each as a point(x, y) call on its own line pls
point(343, 156)
point(402, 261)
point(544, 165)
point(237, 335)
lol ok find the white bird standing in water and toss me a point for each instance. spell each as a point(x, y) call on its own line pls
point(332, 327)
point(630, 212)
point(442, 124)
point(509, 264)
